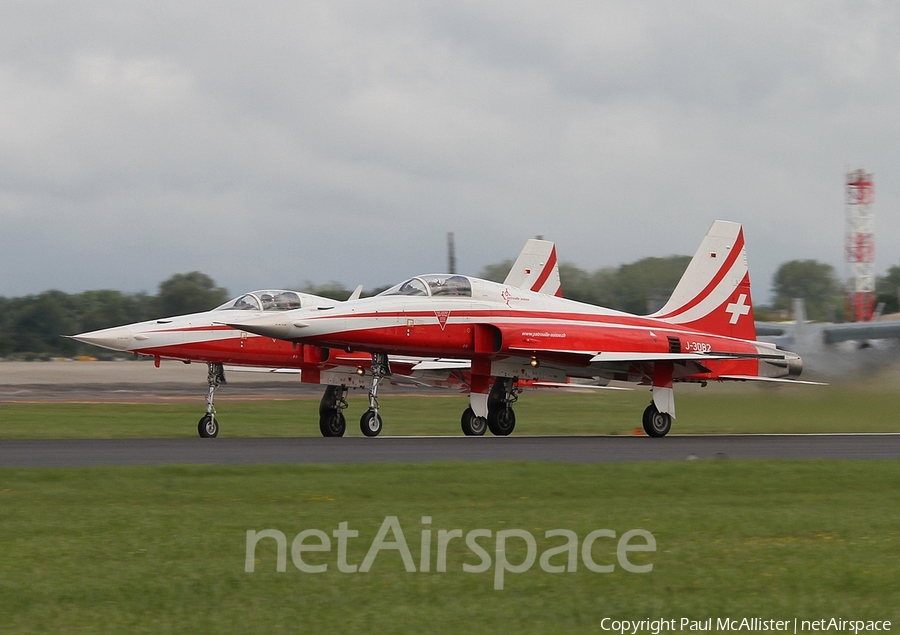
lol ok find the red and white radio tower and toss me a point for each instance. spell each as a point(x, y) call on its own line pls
point(860, 246)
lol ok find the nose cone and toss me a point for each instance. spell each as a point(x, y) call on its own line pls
point(117, 339)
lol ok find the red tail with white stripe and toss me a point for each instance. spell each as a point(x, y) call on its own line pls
point(536, 269)
point(713, 295)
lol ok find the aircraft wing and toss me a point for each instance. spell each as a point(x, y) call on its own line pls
point(402, 375)
point(771, 329)
point(835, 333)
point(677, 357)
point(560, 384)
point(777, 380)
point(636, 357)
point(406, 380)
point(262, 369)
point(443, 364)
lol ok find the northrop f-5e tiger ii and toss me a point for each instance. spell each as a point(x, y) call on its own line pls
point(705, 332)
point(204, 337)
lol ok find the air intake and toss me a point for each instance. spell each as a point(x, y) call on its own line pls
point(674, 345)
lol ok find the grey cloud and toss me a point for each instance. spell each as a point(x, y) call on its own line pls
point(272, 143)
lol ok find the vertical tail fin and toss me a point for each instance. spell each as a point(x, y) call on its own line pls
point(713, 295)
point(536, 269)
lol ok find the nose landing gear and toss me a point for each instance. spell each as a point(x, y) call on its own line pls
point(208, 427)
point(370, 423)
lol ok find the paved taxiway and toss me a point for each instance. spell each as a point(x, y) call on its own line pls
point(95, 452)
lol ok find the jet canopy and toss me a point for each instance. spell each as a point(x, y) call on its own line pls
point(269, 300)
point(435, 284)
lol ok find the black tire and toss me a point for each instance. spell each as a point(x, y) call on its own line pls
point(472, 425)
point(208, 427)
point(370, 423)
point(501, 421)
point(332, 424)
point(656, 424)
point(330, 399)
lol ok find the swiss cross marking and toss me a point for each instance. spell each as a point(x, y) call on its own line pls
point(738, 309)
point(442, 318)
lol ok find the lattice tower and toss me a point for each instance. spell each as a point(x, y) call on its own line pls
point(860, 246)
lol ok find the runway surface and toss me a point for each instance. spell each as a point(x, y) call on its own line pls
point(309, 450)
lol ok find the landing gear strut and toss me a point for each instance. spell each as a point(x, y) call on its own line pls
point(370, 423)
point(208, 427)
point(501, 418)
point(331, 411)
point(656, 423)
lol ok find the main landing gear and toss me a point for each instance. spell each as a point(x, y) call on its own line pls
point(332, 422)
point(370, 423)
point(208, 427)
point(472, 424)
point(656, 423)
point(501, 419)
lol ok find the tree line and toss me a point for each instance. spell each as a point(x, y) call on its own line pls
point(32, 326)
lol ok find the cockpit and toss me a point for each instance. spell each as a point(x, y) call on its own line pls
point(434, 285)
point(269, 300)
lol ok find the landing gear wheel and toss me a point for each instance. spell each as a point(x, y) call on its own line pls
point(501, 418)
point(501, 422)
point(370, 423)
point(473, 425)
point(208, 427)
point(656, 424)
point(332, 424)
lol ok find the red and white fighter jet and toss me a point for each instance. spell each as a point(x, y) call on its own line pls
point(200, 337)
point(203, 337)
point(513, 333)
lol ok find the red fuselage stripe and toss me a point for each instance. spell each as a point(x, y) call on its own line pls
point(193, 329)
point(534, 318)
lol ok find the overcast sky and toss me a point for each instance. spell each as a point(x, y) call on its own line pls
point(270, 143)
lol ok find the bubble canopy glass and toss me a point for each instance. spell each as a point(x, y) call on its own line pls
point(268, 300)
point(435, 285)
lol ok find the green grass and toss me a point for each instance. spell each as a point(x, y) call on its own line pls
point(715, 409)
point(161, 550)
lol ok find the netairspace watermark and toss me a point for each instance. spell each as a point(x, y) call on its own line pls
point(564, 556)
point(746, 624)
